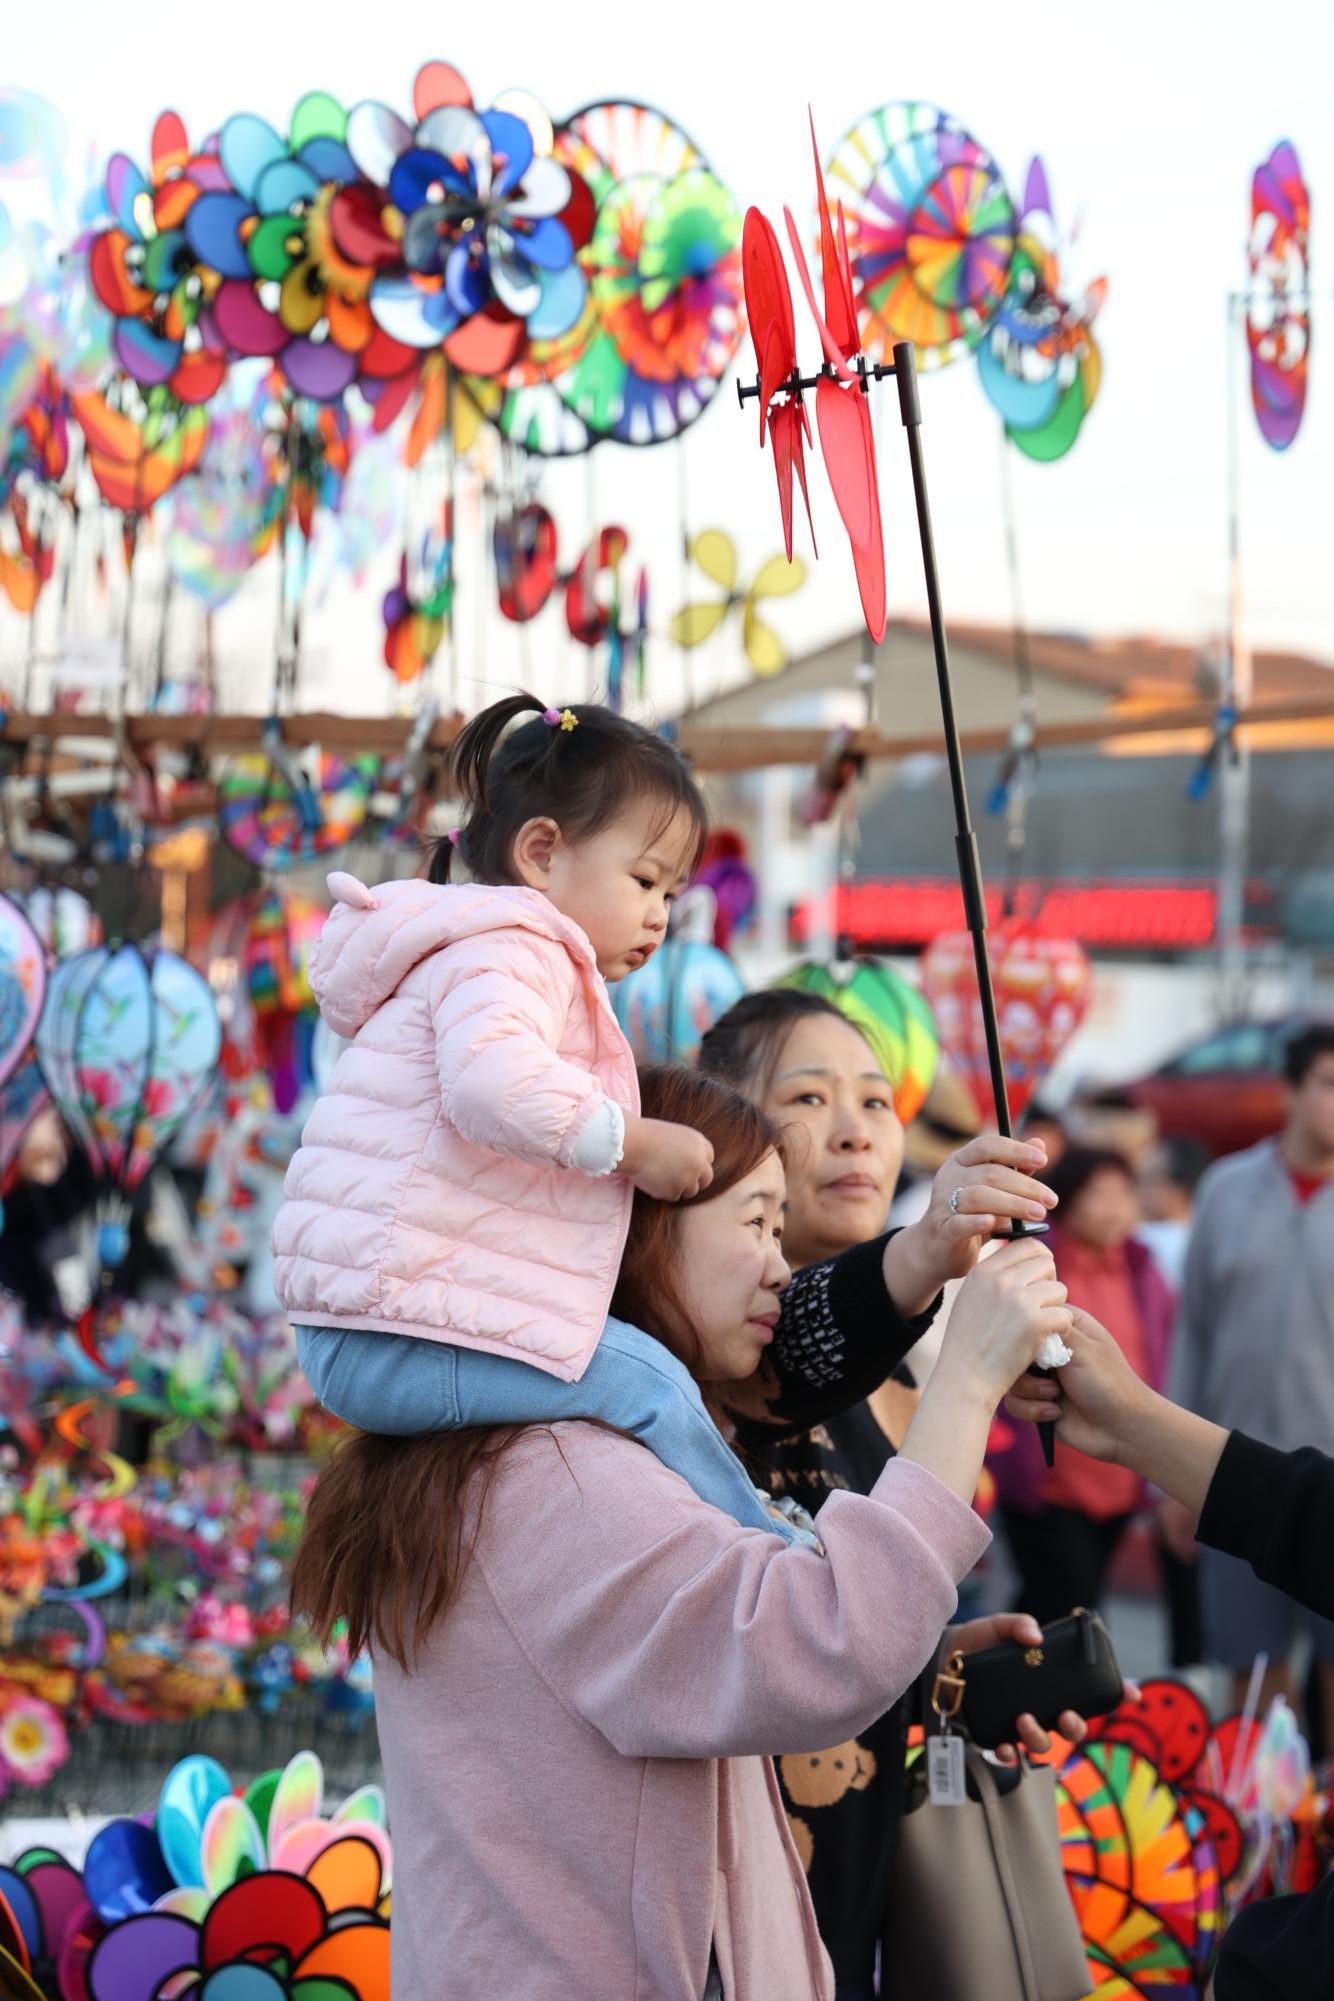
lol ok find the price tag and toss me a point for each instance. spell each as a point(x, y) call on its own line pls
point(945, 1771)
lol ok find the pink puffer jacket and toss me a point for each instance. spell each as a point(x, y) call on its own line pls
point(432, 1193)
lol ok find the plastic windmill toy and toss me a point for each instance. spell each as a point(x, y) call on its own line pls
point(841, 388)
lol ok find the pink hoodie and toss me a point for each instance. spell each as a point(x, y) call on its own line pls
point(577, 1783)
point(433, 1193)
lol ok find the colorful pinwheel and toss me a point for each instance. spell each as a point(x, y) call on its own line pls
point(274, 817)
point(417, 610)
point(286, 289)
point(714, 552)
point(1278, 318)
point(137, 455)
point(1039, 363)
point(469, 243)
point(145, 273)
point(846, 438)
point(931, 230)
point(658, 239)
point(526, 550)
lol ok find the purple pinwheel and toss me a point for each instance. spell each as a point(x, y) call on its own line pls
point(285, 291)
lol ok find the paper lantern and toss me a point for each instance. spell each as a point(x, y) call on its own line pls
point(127, 1043)
point(1042, 986)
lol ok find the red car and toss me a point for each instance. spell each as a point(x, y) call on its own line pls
point(1225, 1091)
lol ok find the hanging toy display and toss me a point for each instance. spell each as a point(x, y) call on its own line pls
point(278, 946)
point(670, 1004)
point(1043, 987)
point(418, 608)
point(714, 553)
point(22, 986)
point(1278, 302)
point(526, 549)
point(277, 818)
point(128, 1041)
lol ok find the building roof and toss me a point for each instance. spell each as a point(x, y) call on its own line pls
point(1075, 677)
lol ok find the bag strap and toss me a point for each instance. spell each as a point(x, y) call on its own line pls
point(990, 1798)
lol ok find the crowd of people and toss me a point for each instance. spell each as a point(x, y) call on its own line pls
point(653, 1517)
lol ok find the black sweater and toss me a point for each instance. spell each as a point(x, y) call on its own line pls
point(839, 1337)
point(1275, 1510)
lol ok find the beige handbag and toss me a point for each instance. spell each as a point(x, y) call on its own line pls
point(978, 1905)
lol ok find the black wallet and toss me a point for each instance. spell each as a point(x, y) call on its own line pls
point(1074, 1668)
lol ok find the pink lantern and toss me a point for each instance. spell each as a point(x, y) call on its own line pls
point(1043, 987)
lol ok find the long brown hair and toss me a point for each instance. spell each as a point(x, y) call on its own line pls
point(392, 1521)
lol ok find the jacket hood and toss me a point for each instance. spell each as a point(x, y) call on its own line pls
point(373, 938)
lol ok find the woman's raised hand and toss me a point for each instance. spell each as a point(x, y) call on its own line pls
point(978, 1190)
point(1005, 1310)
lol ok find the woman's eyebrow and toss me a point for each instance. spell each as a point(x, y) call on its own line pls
point(761, 1195)
point(822, 1070)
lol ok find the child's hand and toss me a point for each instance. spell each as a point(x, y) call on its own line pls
point(668, 1162)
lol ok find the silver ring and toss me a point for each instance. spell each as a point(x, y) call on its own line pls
point(955, 1193)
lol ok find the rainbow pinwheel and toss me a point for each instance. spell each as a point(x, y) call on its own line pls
point(469, 244)
point(138, 452)
point(286, 290)
point(658, 239)
point(1039, 362)
point(252, 1895)
point(1278, 319)
point(931, 230)
point(417, 609)
point(144, 271)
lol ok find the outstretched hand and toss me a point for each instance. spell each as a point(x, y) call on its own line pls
point(1095, 1398)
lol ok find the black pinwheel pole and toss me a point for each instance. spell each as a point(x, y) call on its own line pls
point(965, 840)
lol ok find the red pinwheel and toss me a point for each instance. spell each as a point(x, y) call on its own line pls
point(841, 410)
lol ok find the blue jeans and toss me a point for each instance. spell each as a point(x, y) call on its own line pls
point(403, 1385)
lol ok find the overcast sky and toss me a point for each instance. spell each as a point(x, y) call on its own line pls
point(1150, 117)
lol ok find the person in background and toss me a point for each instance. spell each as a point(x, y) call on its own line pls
point(1168, 1179)
point(1254, 1345)
point(1167, 1184)
point(1042, 1124)
point(1063, 1524)
point(1270, 1513)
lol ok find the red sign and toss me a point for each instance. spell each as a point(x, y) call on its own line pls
point(1126, 916)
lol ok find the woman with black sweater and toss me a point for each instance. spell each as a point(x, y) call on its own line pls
point(839, 1396)
point(1275, 1510)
